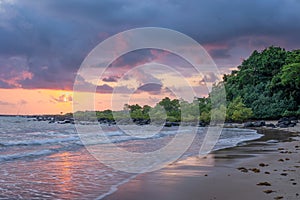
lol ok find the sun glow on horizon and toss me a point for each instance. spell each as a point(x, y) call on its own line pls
point(38, 101)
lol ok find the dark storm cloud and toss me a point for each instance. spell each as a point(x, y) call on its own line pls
point(53, 37)
point(151, 88)
point(81, 85)
point(220, 53)
point(104, 89)
point(110, 79)
point(134, 58)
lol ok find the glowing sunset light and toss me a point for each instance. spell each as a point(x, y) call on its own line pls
point(41, 101)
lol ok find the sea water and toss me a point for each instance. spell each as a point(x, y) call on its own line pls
point(41, 160)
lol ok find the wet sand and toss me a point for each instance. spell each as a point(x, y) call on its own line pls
point(268, 168)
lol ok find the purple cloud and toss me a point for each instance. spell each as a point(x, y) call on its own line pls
point(53, 37)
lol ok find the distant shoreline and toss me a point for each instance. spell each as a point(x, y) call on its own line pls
point(285, 124)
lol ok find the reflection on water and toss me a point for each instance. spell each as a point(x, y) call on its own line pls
point(65, 175)
point(64, 169)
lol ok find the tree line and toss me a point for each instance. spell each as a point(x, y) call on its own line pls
point(264, 86)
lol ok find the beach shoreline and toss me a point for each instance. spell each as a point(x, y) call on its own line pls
point(267, 168)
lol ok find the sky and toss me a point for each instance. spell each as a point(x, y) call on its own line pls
point(43, 44)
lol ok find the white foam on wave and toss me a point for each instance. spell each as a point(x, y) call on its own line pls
point(234, 137)
point(27, 154)
point(38, 142)
point(91, 138)
point(114, 188)
point(119, 136)
point(114, 133)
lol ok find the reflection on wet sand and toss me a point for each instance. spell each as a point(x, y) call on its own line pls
point(191, 166)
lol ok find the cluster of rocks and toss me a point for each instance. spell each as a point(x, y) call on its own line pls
point(200, 124)
point(42, 118)
point(170, 124)
point(258, 124)
point(282, 123)
point(55, 119)
point(142, 122)
point(65, 121)
point(287, 122)
point(106, 121)
point(124, 121)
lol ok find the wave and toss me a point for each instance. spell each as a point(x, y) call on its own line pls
point(38, 142)
point(90, 139)
point(44, 152)
point(232, 137)
point(110, 137)
point(119, 136)
point(114, 188)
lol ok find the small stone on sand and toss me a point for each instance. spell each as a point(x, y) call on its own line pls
point(279, 197)
point(255, 170)
point(268, 191)
point(263, 165)
point(243, 169)
point(264, 184)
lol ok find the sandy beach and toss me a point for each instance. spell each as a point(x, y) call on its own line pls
point(268, 168)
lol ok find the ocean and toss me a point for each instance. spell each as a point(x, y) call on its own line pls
point(41, 160)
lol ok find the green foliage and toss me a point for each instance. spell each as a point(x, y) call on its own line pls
point(290, 76)
point(157, 114)
point(106, 114)
point(85, 116)
point(218, 115)
point(172, 107)
point(237, 110)
point(189, 111)
point(205, 116)
point(268, 82)
point(137, 112)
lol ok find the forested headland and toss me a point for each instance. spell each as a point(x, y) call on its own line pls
point(265, 86)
